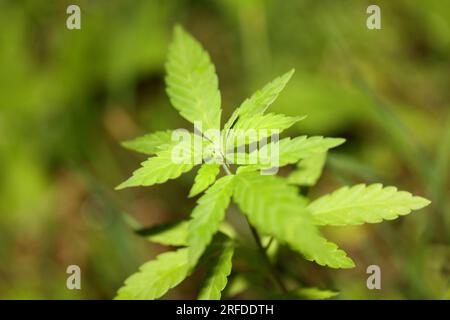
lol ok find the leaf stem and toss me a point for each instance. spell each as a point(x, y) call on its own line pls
point(269, 243)
point(263, 253)
point(275, 276)
point(227, 170)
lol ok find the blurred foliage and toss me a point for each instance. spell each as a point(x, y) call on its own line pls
point(68, 97)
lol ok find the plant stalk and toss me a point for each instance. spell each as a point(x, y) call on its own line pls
point(275, 276)
point(273, 271)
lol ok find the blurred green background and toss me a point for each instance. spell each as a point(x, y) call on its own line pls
point(68, 97)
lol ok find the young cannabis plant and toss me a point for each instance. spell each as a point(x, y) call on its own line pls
point(272, 204)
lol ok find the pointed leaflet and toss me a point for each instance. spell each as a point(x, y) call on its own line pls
point(308, 170)
point(275, 208)
point(175, 233)
point(260, 100)
point(260, 126)
point(207, 216)
point(156, 277)
point(266, 121)
point(206, 175)
point(169, 234)
point(220, 268)
point(314, 293)
point(169, 163)
point(150, 143)
point(287, 151)
point(292, 150)
point(364, 204)
point(191, 80)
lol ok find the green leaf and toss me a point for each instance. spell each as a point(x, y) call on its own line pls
point(266, 121)
point(364, 204)
point(163, 166)
point(207, 216)
point(314, 293)
point(311, 293)
point(150, 143)
point(217, 276)
point(237, 285)
point(260, 100)
point(262, 125)
point(205, 177)
point(176, 233)
point(292, 150)
point(156, 277)
point(275, 208)
point(191, 80)
point(169, 234)
point(308, 170)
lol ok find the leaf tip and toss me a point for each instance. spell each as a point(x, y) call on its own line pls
point(339, 141)
point(300, 118)
point(348, 264)
point(192, 193)
point(127, 144)
point(421, 202)
point(288, 75)
point(123, 185)
point(178, 29)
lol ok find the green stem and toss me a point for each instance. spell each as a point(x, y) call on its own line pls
point(276, 278)
point(269, 243)
point(273, 271)
point(227, 170)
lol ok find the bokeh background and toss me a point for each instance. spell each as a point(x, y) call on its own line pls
point(68, 97)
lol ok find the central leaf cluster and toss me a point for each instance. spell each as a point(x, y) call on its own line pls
point(272, 204)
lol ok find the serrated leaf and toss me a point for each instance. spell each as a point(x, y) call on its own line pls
point(156, 277)
point(292, 150)
point(207, 216)
point(364, 204)
point(150, 143)
point(261, 126)
point(220, 268)
point(169, 234)
point(261, 99)
point(206, 176)
point(191, 80)
point(308, 170)
point(163, 166)
point(275, 208)
point(266, 121)
point(175, 233)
